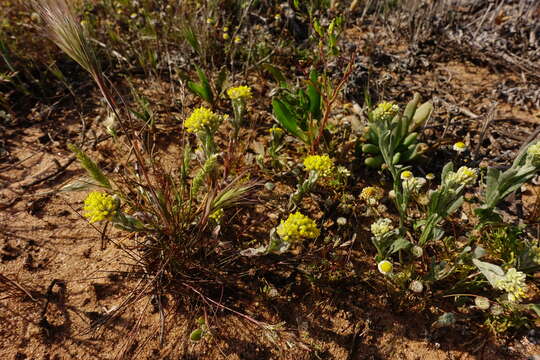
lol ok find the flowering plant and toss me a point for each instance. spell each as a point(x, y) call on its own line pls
point(447, 199)
point(238, 95)
point(392, 137)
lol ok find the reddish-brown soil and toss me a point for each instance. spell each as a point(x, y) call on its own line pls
point(52, 256)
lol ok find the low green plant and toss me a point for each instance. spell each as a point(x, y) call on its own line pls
point(202, 88)
point(500, 184)
point(276, 145)
point(201, 330)
point(394, 134)
point(238, 95)
point(299, 110)
point(444, 201)
point(304, 111)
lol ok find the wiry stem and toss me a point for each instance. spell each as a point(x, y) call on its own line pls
point(328, 102)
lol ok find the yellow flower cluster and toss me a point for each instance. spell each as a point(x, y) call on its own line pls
point(297, 227)
point(513, 283)
point(275, 131)
point(533, 153)
point(381, 227)
point(385, 111)
point(372, 195)
point(200, 119)
point(239, 92)
point(320, 163)
point(464, 176)
point(217, 215)
point(99, 206)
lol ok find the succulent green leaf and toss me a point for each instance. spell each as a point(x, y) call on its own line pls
point(410, 139)
point(410, 109)
point(196, 335)
point(370, 149)
point(421, 115)
point(374, 162)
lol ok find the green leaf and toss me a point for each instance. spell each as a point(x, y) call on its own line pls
point(446, 170)
point(196, 335)
point(314, 95)
point(221, 80)
point(421, 115)
point(492, 184)
point(455, 205)
point(374, 162)
point(410, 109)
point(492, 272)
point(287, 120)
point(276, 74)
point(191, 38)
point(370, 149)
point(536, 308)
point(209, 96)
point(399, 244)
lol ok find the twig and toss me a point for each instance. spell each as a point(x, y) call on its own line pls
point(19, 286)
point(58, 172)
point(207, 299)
point(328, 103)
point(6, 168)
point(489, 118)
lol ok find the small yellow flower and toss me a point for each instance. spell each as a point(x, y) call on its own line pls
point(217, 215)
point(275, 131)
point(209, 21)
point(320, 163)
point(464, 176)
point(414, 184)
point(381, 227)
point(405, 175)
point(430, 176)
point(225, 29)
point(514, 284)
point(237, 39)
point(459, 147)
point(200, 119)
point(385, 111)
point(276, 134)
point(372, 195)
point(226, 36)
point(385, 267)
point(277, 17)
point(239, 92)
point(99, 206)
point(297, 227)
